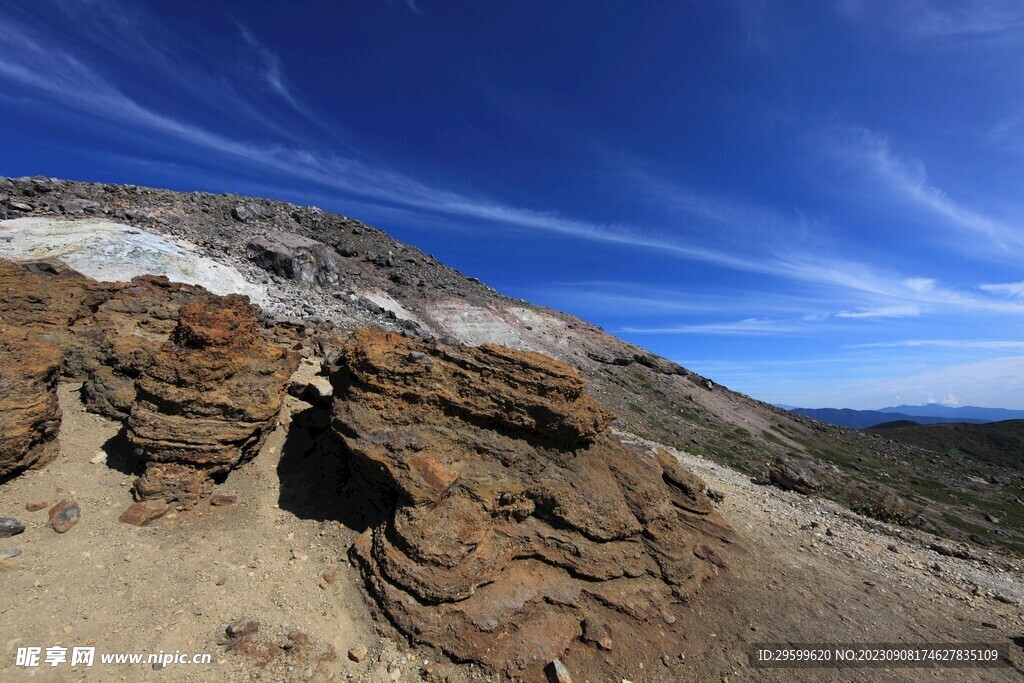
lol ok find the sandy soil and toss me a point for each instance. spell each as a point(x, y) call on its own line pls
point(810, 571)
point(806, 571)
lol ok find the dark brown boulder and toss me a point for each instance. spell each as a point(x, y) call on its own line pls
point(206, 399)
point(517, 515)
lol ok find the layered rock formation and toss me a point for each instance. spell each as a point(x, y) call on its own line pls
point(119, 340)
point(207, 398)
point(29, 414)
point(517, 515)
point(39, 302)
point(197, 377)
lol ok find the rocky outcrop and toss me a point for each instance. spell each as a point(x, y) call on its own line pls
point(119, 340)
point(197, 377)
point(29, 413)
point(207, 398)
point(40, 302)
point(517, 515)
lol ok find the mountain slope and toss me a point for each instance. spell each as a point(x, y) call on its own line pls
point(998, 443)
point(958, 414)
point(325, 270)
point(862, 419)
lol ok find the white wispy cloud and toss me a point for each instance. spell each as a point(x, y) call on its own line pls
point(756, 327)
point(921, 285)
point(411, 5)
point(989, 382)
point(1014, 290)
point(757, 239)
point(63, 76)
point(906, 180)
point(272, 71)
point(897, 311)
point(939, 20)
point(995, 344)
point(719, 230)
point(50, 68)
point(635, 299)
point(975, 19)
point(746, 236)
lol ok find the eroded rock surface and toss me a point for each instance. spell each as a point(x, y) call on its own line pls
point(39, 302)
point(197, 377)
point(207, 398)
point(517, 515)
point(120, 339)
point(29, 413)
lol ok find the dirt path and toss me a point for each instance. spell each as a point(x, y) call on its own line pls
point(806, 571)
point(810, 571)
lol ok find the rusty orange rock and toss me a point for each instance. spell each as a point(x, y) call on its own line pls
point(144, 512)
point(207, 399)
point(29, 412)
point(197, 378)
point(40, 302)
point(517, 516)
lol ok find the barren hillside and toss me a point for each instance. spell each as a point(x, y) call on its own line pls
point(448, 464)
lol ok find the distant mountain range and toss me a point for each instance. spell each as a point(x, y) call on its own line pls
point(932, 413)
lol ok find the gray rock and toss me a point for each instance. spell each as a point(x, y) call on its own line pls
point(78, 206)
point(660, 365)
point(64, 515)
point(8, 553)
point(295, 258)
point(609, 360)
point(249, 211)
point(791, 477)
point(10, 527)
point(557, 672)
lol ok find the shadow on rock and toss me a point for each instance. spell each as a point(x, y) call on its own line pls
point(317, 482)
point(121, 454)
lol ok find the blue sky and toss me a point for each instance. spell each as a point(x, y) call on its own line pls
point(814, 203)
